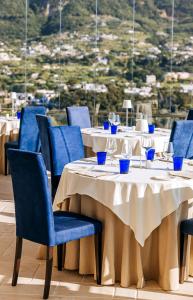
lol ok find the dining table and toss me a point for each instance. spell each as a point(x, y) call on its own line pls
point(9, 128)
point(95, 139)
point(140, 212)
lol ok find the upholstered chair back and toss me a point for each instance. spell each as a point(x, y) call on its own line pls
point(66, 146)
point(44, 123)
point(190, 115)
point(33, 206)
point(182, 138)
point(29, 133)
point(78, 116)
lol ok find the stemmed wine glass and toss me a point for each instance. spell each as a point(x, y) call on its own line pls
point(117, 120)
point(126, 151)
point(111, 117)
point(146, 144)
point(168, 152)
point(111, 147)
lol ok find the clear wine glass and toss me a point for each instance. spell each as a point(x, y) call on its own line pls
point(146, 144)
point(168, 152)
point(126, 151)
point(117, 120)
point(111, 148)
point(111, 117)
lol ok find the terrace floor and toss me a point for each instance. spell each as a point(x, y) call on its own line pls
point(66, 285)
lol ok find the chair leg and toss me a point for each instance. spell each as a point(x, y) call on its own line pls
point(183, 256)
point(60, 255)
point(5, 160)
point(18, 252)
point(49, 262)
point(98, 256)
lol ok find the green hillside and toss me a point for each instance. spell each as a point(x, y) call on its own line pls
point(43, 15)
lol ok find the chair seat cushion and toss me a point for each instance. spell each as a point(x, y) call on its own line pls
point(186, 226)
point(12, 145)
point(71, 226)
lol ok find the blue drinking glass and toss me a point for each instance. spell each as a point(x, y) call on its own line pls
point(18, 115)
point(101, 158)
point(113, 129)
point(151, 128)
point(178, 163)
point(124, 166)
point(106, 125)
point(150, 154)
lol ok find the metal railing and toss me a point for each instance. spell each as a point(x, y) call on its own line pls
point(160, 120)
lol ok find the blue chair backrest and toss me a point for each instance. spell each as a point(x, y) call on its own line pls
point(66, 146)
point(78, 116)
point(34, 215)
point(29, 133)
point(182, 138)
point(43, 124)
point(190, 115)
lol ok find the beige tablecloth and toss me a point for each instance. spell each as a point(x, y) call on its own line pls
point(149, 215)
point(140, 199)
point(8, 132)
point(123, 259)
point(96, 139)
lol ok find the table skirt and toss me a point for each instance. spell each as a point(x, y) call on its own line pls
point(123, 259)
point(13, 135)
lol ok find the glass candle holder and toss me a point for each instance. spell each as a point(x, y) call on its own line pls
point(151, 128)
point(101, 158)
point(18, 115)
point(106, 125)
point(178, 163)
point(150, 153)
point(124, 166)
point(113, 129)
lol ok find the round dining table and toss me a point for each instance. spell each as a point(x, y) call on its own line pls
point(9, 128)
point(95, 139)
point(140, 211)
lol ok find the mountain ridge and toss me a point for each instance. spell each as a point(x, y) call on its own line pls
point(43, 15)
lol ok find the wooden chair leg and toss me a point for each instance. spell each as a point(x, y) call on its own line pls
point(5, 160)
point(18, 252)
point(98, 256)
point(49, 263)
point(184, 247)
point(60, 255)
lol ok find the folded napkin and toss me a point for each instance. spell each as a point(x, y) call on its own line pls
point(160, 177)
point(91, 159)
point(165, 159)
point(183, 174)
point(94, 174)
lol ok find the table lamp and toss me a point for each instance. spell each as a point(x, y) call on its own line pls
point(13, 98)
point(128, 105)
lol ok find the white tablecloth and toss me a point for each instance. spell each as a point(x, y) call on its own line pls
point(96, 139)
point(8, 125)
point(141, 199)
point(9, 128)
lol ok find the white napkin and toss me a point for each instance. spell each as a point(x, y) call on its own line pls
point(160, 177)
point(183, 174)
point(89, 173)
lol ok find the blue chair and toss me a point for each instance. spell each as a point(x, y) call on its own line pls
point(78, 116)
point(186, 229)
point(35, 220)
point(182, 138)
point(28, 133)
point(190, 115)
point(43, 124)
point(66, 145)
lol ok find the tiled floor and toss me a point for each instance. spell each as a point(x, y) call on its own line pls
point(65, 285)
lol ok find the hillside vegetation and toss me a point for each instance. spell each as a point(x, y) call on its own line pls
point(43, 15)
